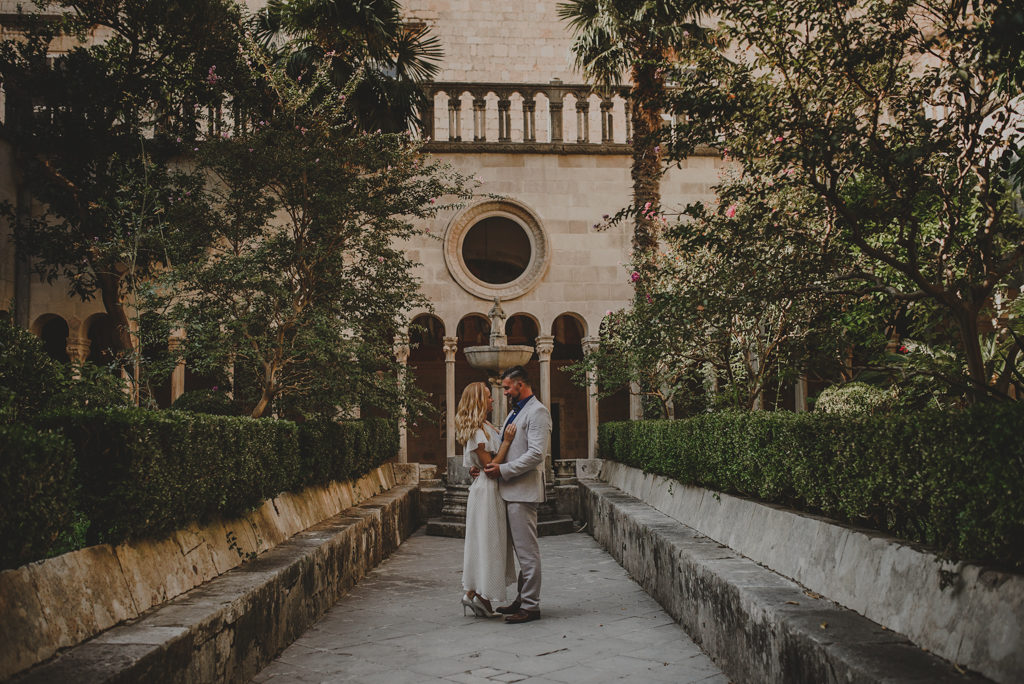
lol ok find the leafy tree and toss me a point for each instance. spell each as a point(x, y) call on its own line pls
point(892, 116)
point(93, 129)
point(306, 274)
point(727, 305)
point(635, 37)
point(368, 49)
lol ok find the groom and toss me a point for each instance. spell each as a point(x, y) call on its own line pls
point(521, 484)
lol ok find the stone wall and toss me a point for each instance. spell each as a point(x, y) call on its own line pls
point(60, 602)
point(968, 614)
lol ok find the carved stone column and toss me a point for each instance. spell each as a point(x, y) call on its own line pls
point(801, 394)
point(78, 353)
point(529, 120)
point(582, 121)
point(545, 345)
point(636, 402)
point(479, 119)
point(504, 120)
point(401, 347)
point(178, 374)
point(454, 119)
point(607, 132)
point(451, 345)
point(590, 345)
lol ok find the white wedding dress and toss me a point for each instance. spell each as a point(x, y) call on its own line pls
point(487, 566)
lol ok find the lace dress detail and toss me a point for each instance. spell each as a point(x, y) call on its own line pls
point(487, 566)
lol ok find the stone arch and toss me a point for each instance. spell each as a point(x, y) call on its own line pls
point(53, 331)
point(522, 328)
point(566, 316)
point(474, 329)
point(426, 362)
point(99, 330)
point(568, 400)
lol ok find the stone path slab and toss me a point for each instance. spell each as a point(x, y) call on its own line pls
point(403, 623)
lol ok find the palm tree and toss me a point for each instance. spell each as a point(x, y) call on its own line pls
point(371, 51)
point(616, 37)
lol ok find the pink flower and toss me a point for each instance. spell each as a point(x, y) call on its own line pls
point(380, 259)
point(731, 211)
point(211, 75)
point(433, 200)
point(634, 276)
point(647, 207)
point(779, 139)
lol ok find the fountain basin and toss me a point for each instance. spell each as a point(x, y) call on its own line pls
point(496, 358)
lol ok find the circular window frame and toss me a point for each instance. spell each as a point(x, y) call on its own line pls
point(455, 236)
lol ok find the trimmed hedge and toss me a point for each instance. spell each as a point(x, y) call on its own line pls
point(951, 480)
point(147, 473)
point(37, 492)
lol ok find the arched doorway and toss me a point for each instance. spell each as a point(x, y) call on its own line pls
point(614, 407)
point(53, 331)
point(102, 340)
point(426, 363)
point(568, 400)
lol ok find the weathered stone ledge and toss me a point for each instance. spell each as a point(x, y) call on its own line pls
point(968, 614)
point(232, 626)
point(758, 626)
point(60, 602)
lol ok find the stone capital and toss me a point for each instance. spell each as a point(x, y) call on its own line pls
point(451, 345)
point(78, 349)
point(401, 347)
point(590, 344)
point(545, 345)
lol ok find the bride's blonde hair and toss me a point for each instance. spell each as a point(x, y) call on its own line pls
point(472, 411)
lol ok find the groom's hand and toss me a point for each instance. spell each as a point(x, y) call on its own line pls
point(492, 470)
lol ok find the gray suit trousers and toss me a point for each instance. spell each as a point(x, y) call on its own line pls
point(522, 525)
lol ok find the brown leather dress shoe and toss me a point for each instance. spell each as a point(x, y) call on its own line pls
point(522, 616)
point(510, 608)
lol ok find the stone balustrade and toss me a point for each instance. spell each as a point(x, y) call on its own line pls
point(526, 117)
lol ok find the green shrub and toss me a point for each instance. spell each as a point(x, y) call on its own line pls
point(951, 480)
point(146, 473)
point(31, 382)
point(853, 398)
point(37, 493)
point(207, 401)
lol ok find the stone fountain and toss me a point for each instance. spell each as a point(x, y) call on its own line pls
point(495, 358)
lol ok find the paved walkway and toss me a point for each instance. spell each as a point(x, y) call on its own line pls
point(403, 623)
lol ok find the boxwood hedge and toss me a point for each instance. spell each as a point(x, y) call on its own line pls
point(135, 473)
point(951, 480)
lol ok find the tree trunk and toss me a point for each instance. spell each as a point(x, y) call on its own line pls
point(110, 293)
point(645, 112)
point(967, 321)
point(262, 404)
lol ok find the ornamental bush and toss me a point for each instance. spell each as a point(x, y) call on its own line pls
point(951, 480)
point(206, 401)
point(37, 492)
point(147, 473)
point(853, 397)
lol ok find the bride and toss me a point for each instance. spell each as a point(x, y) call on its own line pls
point(487, 567)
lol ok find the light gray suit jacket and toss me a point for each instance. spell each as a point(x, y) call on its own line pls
point(522, 473)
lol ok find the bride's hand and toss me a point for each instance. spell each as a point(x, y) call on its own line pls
point(510, 432)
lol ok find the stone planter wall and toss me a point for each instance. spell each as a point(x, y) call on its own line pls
point(970, 615)
point(60, 602)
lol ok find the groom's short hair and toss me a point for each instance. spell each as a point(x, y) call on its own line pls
point(517, 373)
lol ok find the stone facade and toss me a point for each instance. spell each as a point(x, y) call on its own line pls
point(554, 154)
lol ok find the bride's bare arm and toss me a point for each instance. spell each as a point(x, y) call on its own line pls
point(506, 441)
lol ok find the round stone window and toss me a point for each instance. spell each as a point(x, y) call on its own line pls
point(496, 249)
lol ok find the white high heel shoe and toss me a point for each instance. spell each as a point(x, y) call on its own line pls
point(481, 609)
point(469, 603)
